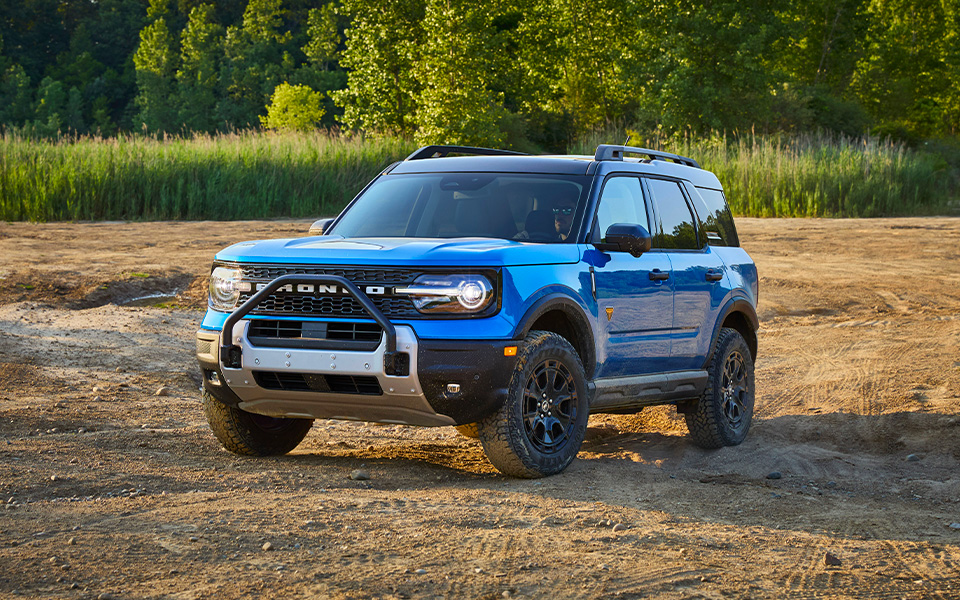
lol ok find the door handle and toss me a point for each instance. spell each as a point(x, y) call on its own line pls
point(714, 275)
point(658, 275)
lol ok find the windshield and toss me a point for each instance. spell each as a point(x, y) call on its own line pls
point(533, 208)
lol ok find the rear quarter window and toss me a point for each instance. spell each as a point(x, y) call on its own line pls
point(715, 215)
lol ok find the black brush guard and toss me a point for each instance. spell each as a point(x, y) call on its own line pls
point(231, 355)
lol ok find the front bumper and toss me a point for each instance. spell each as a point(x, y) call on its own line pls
point(401, 399)
point(479, 369)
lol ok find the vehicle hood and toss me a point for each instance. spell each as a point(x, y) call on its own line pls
point(424, 252)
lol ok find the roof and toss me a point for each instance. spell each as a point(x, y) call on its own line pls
point(561, 164)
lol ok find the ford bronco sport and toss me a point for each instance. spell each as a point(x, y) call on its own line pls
point(506, 294)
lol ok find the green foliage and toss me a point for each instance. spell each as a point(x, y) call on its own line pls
point(295, 107)
point(255, 63)
point(382, 44)
point(323, 36)
point(155, 61)
point(201, 47)
point(578, 58)
point(455, 104)
point(527, 74)
point(901, 78)
point(236, 176)
point(50, 108)
point(16, 101)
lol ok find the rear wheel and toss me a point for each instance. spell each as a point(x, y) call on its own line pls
point(723, 414)
point(540, 426)
point(250, 434)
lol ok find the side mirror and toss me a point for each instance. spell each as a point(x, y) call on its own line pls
point(628, 237)
point(320, 226)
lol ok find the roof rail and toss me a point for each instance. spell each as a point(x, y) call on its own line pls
point(441, 151)
point(610, 152)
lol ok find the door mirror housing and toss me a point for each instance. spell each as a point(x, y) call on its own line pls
point(627, 237)
point(320, 226)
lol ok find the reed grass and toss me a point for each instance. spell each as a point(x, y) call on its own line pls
point(233, 176)
point(814, 174)
point(262, 175)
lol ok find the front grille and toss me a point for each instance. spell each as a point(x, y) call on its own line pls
point(285, 303)
point(276, 329)
point(288, 303)
point(340, 335)
point(309, 382)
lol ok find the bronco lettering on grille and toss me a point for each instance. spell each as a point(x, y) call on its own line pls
point(309, 288)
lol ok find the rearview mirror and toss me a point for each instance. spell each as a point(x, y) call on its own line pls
point(320, 226)
point(628, 237)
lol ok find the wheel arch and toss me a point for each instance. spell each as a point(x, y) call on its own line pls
point(740, 315)
point(561, 314)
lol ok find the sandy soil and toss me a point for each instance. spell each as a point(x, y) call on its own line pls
point(110, 490)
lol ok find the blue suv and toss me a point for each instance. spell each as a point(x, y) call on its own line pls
point(508, 295)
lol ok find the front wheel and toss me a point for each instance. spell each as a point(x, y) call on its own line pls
point(249, 434)
point(723, 413)
point(541, 424)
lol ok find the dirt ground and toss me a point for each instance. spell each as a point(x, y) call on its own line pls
point(111, 490)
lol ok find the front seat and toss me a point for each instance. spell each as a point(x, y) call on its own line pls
point(540, 226)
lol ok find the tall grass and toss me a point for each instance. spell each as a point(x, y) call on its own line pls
point(815, 175)
point(257, 175)
point(237, 176)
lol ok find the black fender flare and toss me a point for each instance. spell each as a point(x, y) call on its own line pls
point(741, 305)
point(586, 339)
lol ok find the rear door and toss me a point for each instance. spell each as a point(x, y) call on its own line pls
point(634, 294)
point(697, 272)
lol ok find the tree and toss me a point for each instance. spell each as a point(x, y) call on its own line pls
point(295, 107)
point(902, 78)
point(201, 46)
point(323, 37)
point(16, 97)
point(711, 64)
point(73, 115)
point(155, 61)
point(382, 48)
point(255, 62)
point(455, 104)
point(578, 58)
point(51, 107)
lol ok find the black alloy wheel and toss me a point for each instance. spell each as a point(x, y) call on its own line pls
point(540, 426)
point(734, 390)
point(549, 407)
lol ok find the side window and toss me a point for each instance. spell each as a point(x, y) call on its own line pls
point(676, 230)
point(621, 201)
point(715, 216)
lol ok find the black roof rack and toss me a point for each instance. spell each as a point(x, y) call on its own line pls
point(610, 152)
point(441, 151)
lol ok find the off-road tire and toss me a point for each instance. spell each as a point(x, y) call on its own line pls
point(470, 430)
point(248, 434)
point(722, 415)
point(527, 447)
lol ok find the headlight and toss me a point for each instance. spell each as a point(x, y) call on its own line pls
point(224, 288)
point(450, 293)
